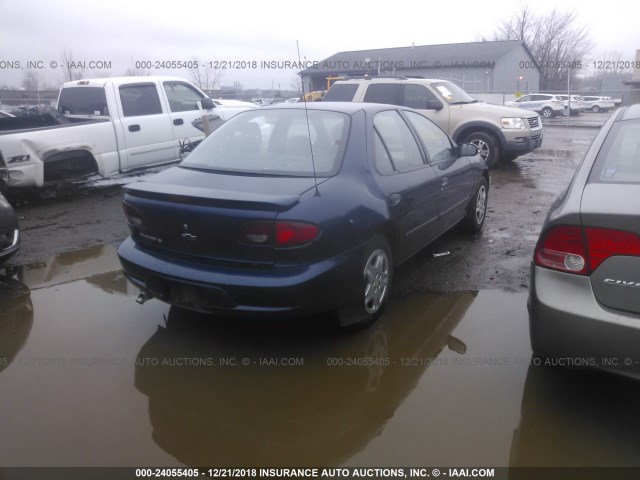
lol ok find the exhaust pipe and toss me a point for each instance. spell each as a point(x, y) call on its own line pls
point(143, 297)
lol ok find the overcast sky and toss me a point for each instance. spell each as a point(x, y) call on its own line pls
point(122, 32)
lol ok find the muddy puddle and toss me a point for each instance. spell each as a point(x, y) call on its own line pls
point(90, 378)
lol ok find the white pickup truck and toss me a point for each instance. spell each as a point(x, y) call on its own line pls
point(108, 126)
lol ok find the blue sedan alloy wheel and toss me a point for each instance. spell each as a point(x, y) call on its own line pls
point(477, 210)
point(377, 277)
point(481, 204)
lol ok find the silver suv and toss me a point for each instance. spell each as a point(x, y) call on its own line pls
point(545, 104)
point(598, 104)
point(499, 132)
point(577, 104)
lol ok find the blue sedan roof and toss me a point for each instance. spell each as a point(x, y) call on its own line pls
point(344, 107)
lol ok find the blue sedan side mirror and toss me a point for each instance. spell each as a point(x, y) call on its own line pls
point(467, 150)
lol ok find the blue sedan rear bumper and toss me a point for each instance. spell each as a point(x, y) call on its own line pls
point(246, 291)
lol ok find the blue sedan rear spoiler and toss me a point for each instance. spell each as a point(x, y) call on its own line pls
point(210, 196)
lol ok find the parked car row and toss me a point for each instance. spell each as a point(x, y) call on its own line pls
point(552, 104)
point(297, 209)
point(281, 212)
point(598, 104)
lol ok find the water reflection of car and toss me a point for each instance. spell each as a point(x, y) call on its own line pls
point(577, 419)
point(584, 301)
point(16, 318)
point(70, 266)
point(113, 283)
point(257, 222)
point(9, 231)
point(320, 412)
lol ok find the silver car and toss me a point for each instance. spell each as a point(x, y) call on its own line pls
point(584, 294)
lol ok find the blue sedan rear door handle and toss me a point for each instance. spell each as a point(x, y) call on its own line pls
point(395, 198)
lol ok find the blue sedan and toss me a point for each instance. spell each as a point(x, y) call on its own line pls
point(292, 210)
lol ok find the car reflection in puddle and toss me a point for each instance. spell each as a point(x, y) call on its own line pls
point(16, 317)
point(577, 418)
point(252, 394)
point(70, 266)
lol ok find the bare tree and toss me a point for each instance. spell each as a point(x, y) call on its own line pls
point(72, 69)
point(137, 72)
point(296, 84)
point(205, 77)
point(31, 81)
point(555, 40)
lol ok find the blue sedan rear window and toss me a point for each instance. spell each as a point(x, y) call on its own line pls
point(275, 142)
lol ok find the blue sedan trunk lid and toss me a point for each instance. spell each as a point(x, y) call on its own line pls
point(196, 213)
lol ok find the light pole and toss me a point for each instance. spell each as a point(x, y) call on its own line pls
point(568, 94)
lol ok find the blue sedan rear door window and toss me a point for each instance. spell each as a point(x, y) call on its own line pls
point(398, 143)
point(435, 140)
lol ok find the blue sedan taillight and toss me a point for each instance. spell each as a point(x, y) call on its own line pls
point(133, 215)
point(278, 234)
point(289, 234)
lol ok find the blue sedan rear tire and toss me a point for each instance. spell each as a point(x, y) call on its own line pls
point(377, 276)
